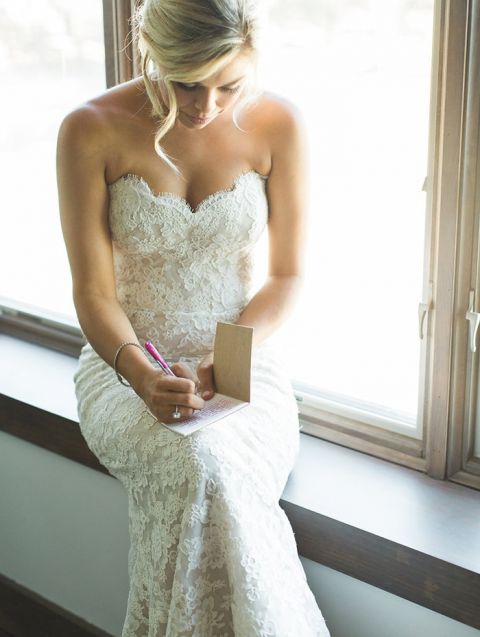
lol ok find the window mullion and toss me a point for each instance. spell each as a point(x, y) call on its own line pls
point(443, 197)
point(461, 457)
point(121, 60)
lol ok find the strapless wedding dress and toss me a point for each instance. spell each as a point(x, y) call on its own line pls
point(212, 553)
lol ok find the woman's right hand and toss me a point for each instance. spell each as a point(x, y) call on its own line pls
point(161, 393)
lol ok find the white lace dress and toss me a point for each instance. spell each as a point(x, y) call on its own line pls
point(212, 553)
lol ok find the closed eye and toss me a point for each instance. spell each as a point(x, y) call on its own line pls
point(186, 87)
point(193, 87)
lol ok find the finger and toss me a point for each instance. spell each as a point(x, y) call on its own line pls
point(207, 385)
point(176, 384)
point(163, 400)
point(185, 412)
point(182, 370)
point(182, 399)
point(206, 380)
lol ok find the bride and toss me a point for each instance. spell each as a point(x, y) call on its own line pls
point(166, 182)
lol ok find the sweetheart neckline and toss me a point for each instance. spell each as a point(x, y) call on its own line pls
point(177, 197)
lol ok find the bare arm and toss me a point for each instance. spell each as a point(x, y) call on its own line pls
point(286, 191)
point(82, 147)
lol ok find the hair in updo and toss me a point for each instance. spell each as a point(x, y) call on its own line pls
point(187, 41)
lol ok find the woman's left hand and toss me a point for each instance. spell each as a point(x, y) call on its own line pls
point(205, 377)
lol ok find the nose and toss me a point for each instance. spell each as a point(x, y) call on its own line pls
point(206, 103)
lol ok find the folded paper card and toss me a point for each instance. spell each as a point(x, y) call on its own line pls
point(232, 360)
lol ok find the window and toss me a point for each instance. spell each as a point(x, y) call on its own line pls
point(389, 92)
point(360, 73)
point(53, 57)
point(464, 437)
point(390, 96)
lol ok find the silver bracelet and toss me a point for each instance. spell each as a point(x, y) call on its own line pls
point(116, 356)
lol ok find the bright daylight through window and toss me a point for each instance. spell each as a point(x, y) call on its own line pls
point(52, 60)
point(359, 71)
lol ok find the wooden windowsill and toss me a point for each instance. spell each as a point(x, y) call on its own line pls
point(387, 525)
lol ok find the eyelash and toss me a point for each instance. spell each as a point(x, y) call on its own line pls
point(189, 87)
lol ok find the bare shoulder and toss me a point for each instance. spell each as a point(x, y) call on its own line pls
point(280, 126)
point(275, 107)
point(280, 123)
point(279, 129)
point(84, 127)
point(94, 122)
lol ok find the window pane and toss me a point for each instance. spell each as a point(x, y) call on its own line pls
point(474, 370)
point(360, 73)
point(53, 58)
point(476, 446)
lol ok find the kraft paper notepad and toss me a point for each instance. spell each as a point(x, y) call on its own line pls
point(232, 361)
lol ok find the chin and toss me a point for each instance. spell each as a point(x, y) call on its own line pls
point(190, 120)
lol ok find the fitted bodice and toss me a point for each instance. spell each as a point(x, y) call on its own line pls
point(179, 270)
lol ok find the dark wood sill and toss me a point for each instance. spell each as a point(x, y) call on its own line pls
point(23, 613)
point(384, 524)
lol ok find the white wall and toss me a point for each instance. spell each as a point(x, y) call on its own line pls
point(354, 609)
point(64, 534)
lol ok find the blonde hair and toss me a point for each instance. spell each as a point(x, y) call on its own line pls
point(187, 41)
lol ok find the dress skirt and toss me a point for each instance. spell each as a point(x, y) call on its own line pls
point(212, 553)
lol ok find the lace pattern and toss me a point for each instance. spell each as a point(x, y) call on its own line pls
point(212, 554)
point(184, 271)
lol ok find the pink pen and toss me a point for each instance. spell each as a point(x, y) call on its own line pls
point(150, 347)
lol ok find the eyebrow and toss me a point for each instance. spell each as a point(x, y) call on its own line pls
point(228, 84)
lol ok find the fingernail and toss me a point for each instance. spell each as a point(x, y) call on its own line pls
point(206, 394)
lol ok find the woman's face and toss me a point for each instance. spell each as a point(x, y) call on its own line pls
point(202, 102)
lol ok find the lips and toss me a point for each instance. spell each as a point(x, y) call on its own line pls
point(199, 120)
